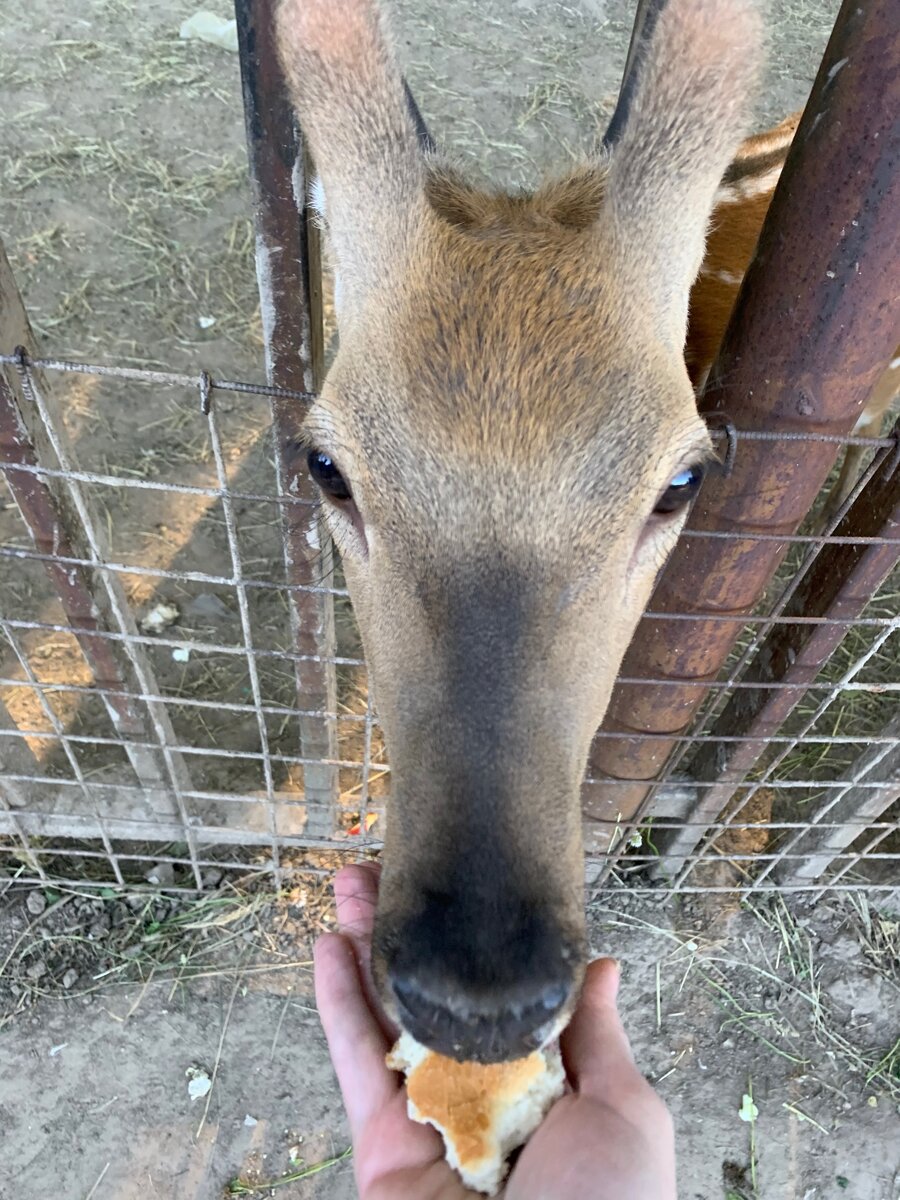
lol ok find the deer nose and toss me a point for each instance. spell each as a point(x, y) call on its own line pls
point(481, 977)
point(503, 1026)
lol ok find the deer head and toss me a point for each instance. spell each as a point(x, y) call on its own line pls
point(506, 444)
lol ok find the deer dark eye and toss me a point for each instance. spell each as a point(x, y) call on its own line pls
point(681, 491)
point(327, 476)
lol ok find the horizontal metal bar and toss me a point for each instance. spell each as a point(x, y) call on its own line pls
point(232, 648)
point(222, 752)
point(792, 539)
point(25, 552)
point(756, 826)
point(249, 798)
point(152, 485)
point(118, 481)
point(775, 619)
point(155, 830)
point(167, 572)
point(741, 889)
point(84, 739)
point(352, 849)
point(191, 794)
point(279, 710)
point(204, 381)
point(228, 648)
point(384, 768)
point(634, 857)
point(775, 785)
point(346, 843)
point(831, 439)
point(151, 890)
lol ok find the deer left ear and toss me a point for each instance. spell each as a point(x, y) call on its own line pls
point(684, 106)
point(354, 109)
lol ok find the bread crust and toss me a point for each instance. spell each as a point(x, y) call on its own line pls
point(482, 1111)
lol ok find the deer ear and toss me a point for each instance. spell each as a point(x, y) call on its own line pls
point(682, 111)
point(351, 102)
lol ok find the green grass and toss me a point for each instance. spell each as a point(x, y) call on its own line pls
point(242, 1187)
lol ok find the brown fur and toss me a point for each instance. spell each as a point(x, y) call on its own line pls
point(734, 231)
point(508, 402)
point(573, 202)
point(730, 247)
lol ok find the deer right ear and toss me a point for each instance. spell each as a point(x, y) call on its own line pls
point(685, 101)
point(351, 103)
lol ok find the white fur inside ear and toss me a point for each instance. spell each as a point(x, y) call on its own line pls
point(317, 198)
point(317, 203)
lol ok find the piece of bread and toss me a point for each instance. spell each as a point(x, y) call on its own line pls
point(483, 1112)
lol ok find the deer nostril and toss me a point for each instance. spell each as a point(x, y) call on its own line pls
point(507, 1024)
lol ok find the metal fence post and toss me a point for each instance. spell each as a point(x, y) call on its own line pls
point(288, 275)
point(838, 586)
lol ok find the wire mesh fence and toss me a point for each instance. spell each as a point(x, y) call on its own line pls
point(182, 687)
point(151, 720)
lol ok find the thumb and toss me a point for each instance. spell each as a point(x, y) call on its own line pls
point(595, 1047)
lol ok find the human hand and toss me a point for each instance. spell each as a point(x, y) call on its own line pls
point(609, 1138)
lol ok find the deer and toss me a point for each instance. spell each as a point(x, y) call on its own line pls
point(507, 446)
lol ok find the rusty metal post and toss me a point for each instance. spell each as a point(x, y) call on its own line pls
point(61, 522)
point(289, 277)
point(814, 326)
point(838, 586)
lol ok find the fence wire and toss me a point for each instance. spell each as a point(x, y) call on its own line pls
point(161, 723)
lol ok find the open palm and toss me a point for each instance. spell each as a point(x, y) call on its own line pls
point(610, 1136)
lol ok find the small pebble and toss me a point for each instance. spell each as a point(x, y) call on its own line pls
point(70, 978)
point(162, 874)
point(209, 606)
point(37, 969)
point(36, 902)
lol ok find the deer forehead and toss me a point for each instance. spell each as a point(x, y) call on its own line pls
point(518, 351)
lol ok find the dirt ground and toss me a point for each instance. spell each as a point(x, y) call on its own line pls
point(112, 1006)
point(125, 209)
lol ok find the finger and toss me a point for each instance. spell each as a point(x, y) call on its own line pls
point(356, 895)
point(355, 1040)
point(595, 1046)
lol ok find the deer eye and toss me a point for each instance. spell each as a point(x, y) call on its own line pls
point(327, 476)
point(681, 491)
